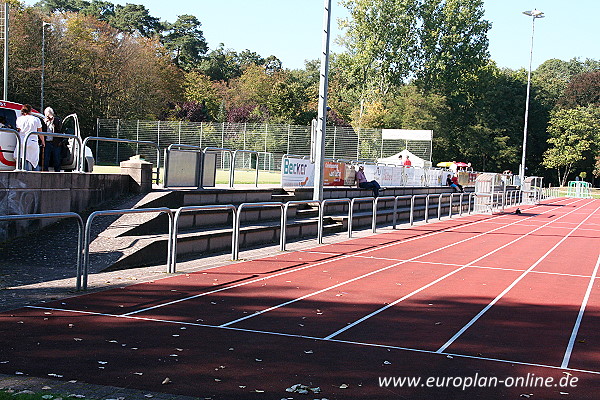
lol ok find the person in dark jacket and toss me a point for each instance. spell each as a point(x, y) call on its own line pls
point(52, 151)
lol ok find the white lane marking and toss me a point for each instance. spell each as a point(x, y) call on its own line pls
point(353, 324)
point(333, 259)
point(320, 339)
point(257, 313)
point(567, 357)
point(491, 304)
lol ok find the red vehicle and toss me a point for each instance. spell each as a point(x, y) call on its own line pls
point(8, 140)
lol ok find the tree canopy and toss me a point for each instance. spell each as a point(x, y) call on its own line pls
point(414, 64)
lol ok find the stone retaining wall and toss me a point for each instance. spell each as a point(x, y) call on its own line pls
point(52, 192)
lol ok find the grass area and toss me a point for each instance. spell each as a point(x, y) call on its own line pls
point(242, 176)
point(563, 191)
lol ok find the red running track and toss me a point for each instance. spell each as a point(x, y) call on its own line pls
point(477, 307)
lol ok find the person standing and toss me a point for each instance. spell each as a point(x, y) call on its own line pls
point(53, 146)
point(362, 182)
point(407, 162)
point(28, 123)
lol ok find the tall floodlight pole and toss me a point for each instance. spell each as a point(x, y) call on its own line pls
point(5, 96)
point(534, 14)
point(322, 112)
point(44, 24)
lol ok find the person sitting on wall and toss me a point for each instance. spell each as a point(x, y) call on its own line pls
point(361, 181)
point(453, 185)
point(458, 185)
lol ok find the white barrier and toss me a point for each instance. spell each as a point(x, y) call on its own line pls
point(298, 171)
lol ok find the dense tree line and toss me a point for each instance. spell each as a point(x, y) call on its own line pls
point(415, 64)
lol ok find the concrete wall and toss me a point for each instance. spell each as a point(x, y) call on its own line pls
point(50, 192)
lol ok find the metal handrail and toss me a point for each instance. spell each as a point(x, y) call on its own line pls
point(285, 211)
point(174, 232)
point(383, 198)
point(118, 140)
point(412, 206)
point(23, 155)
point(221, 149)
point(18, 145)
point(236, 230)
point(58, 216)
point(351, 211)
point(232, 169)
point(322, 215)
point(406, 196)
point(88, 225)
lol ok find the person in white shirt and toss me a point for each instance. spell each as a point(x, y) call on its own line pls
point(27, 123)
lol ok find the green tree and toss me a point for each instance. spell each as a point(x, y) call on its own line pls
point(185, 40)
point(583, 90)
point(381, 42)
point(453, 43)
point(574, 140)
point(220, 64)
point(199, 88)
point(136, 20)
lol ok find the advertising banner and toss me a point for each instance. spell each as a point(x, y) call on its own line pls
point(350, 175)
point(334, 174)
point(297, 172)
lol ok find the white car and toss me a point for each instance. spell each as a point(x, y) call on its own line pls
point(8, 140)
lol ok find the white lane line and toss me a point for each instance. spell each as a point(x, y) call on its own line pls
point(366, 317)
point(567, 357)
point(314, 338)
point(333, 259)
point(257, 313)
point(491, 304)
point(434, 263)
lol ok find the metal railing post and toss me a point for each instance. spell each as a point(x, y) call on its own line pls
point(87, 235)
point(375, 202)
point(322, 215)
point(236, 248)
point(351, 216)
point(64, 215)
point(284, 223)
point(174, 232)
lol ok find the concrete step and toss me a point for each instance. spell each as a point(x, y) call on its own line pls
point(152, 250)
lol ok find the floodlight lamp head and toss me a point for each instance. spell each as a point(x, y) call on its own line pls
point(534, 13)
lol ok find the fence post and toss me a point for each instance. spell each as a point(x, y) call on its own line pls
point(117, 144)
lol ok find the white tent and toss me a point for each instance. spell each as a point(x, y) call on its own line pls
point(399, 158)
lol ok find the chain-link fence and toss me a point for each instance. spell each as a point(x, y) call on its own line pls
point(271, 141)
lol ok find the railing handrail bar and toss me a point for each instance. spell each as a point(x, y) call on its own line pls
point(374, 216)
point(62, 215)
point(174, 231)
point(232, 169)
point(120, 140)
point(351, 211)
point(23, 154)
point(322, 214)
point(92, 216)
point(236, 231)
point(285, 210)
point(183, 147)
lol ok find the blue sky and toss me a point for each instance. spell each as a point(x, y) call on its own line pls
point(291, 29)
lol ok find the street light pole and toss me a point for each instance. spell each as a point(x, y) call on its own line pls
point(533, 14)
point(322, 111)
point(44, 24)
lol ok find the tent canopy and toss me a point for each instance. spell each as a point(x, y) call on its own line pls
point(399, 158)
